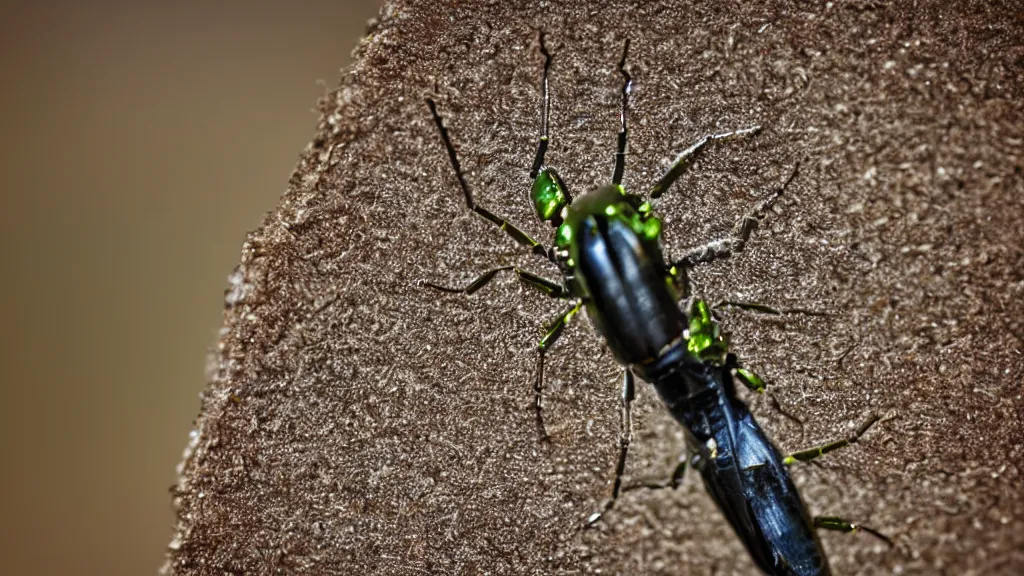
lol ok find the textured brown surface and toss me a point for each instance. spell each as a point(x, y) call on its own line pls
point(357, 423)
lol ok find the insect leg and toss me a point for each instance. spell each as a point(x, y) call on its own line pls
point(673, 482)
point(840, 525)
point(720, 249)
point(687, 157)
point(518, 235)
point(812, 453)
point(764, 309)
point(625, 438)
point(545, 286)
point(627, 85)
point(749, 379)
point(749, 306)
point(554, 331)
point(545, 112)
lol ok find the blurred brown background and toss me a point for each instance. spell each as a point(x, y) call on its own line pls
point(140, 142)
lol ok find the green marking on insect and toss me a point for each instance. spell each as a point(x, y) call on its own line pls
point(704, 337)
point(563, 236)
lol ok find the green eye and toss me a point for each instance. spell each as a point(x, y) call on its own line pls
point(547, 194)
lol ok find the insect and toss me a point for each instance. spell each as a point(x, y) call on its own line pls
point(607, 246)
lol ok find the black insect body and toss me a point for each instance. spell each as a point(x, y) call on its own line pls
point(608, 248)
point(740, 467)
point(742, 470)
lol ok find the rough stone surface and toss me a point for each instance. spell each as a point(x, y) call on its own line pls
point(357, 423)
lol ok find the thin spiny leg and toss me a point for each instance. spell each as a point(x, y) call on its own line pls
point(812, 453)
point(554, 331)
point(747, 377)
point(545, 112)
point(518, 235)
point(545, 286)
point(687, 157)
point(620, 154)
point(554, 328)
point(724, 248)
point(625, 438)
point(538, 399)
point(674, 480)
point(840, 525)
point(749, 306)
point(765, 309)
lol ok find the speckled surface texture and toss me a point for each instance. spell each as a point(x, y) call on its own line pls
point(356, 423)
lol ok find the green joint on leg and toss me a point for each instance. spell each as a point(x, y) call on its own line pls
point(518, 235)
point(551, 337)
point(540, 283)
point(812, 453)
point(555, 328)
point(482, 281)
point(751, 380)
